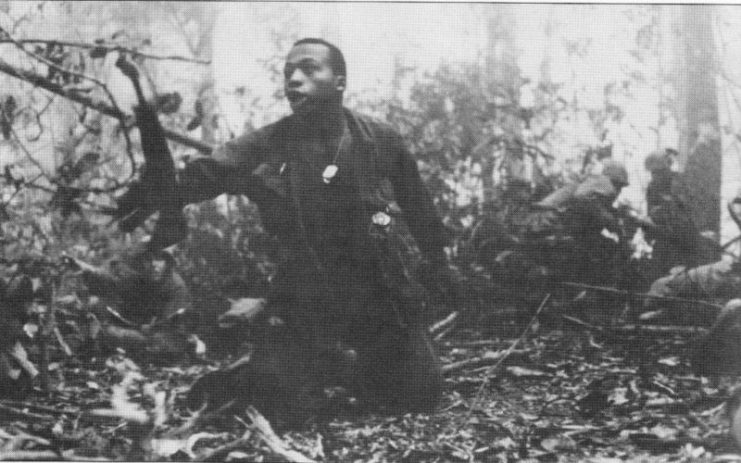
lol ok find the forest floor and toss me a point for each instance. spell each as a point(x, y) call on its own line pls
point(555, 395)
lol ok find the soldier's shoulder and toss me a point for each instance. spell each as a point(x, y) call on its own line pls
point(262, 136)
point(373, 125)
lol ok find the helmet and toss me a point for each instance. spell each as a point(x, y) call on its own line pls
point(615, 171)
point(658, 160)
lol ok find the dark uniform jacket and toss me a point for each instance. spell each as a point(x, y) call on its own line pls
point(385, 175)
point(328, 278)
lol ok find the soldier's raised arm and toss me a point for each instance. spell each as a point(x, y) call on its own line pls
point(228, 170)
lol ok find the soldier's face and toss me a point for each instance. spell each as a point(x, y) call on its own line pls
point(310, 83)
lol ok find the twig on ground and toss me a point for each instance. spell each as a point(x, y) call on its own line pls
point(220, 453)
point(72, 456)
point(4, 409)
point(479, 343)
point(622, 292)
point(30, 455)
point(42, 341)
point(444, 332)
point(40, 408)
point(200, 417)
point(490, 359)
point(628, 328)
point(120, 317)
point(275, 443)
point(444, 323)
point(511, 349)
point(22, 436)
point(65, 347)
point(19, 354)
point(657, 329)
point(582, 323)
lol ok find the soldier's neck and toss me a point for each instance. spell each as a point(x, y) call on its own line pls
point(328, 123)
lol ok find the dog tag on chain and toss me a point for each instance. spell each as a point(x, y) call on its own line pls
point(329, 173)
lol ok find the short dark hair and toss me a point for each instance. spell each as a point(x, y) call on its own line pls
point(336, 58)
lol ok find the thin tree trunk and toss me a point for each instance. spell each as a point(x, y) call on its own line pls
point(697, 111)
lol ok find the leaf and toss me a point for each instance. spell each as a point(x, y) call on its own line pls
point(194, 123)
point(98, 52)
point(521, 372)
point(168, 103)
point(242, 310)
point(199, 347)
point(168, 447)
point(506, 443)
point(670, 361)
point(558, 443)
point(31, 329)
point(237, 455)
point(19, 354)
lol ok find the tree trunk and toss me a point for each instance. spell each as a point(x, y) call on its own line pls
point(697, 116)
point(504, 81)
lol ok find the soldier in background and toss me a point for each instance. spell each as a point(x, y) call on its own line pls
point(141, 308)
point(663, 178)
point(585, 208)
point(677, 239)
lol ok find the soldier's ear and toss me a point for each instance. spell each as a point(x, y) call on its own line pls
point(340, 83)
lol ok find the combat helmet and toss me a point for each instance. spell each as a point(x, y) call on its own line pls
point(615, 171)
point(658, 160)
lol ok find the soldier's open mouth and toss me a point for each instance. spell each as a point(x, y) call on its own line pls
point(296, 99)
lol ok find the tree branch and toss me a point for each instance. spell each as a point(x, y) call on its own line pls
point(109, 48)
point(61, 69)
point(39, 81)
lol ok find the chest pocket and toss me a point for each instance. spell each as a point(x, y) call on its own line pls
point(274, 177)
point(273, 198)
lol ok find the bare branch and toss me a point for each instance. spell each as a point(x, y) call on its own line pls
point(33, 160)
point(116, 186)
point(40, 81)
point(62, 70)
point(605, 289)
point(109, 48)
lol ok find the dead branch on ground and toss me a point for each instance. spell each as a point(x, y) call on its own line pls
point(492, 358)
point(625, 293)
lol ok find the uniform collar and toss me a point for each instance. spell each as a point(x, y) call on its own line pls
point(358, 126)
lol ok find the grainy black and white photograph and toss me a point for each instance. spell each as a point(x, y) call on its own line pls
point(370, 232)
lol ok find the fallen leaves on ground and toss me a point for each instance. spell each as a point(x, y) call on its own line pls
point(563, 398)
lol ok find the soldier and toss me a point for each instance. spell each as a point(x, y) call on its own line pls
point(678, 240)
point(662, 184)
point(143, 303)
point(331, 184)
point(580, 213)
